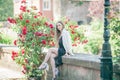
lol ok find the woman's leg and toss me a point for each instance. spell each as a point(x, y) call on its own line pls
point(52, 62)
point(50, 52)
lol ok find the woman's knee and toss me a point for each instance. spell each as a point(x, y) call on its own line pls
point(53, 50)
point(53, 55)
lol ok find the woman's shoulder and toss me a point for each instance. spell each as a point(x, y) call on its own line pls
point(65, 31)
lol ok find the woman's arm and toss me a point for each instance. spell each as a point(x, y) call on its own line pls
point(67, 42)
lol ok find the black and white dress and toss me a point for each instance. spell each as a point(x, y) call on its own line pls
point(61, 52)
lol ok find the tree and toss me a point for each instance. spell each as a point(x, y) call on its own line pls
point(96, 8)
point(6, 9)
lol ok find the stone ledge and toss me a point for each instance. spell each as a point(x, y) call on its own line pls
point(8, 74)
point(83, 60)
point(77, 63)
point(87, 63)
point(8, 48)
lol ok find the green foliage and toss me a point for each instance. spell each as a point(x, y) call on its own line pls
point(34, 33)
point(77, 3)
point(1, 24)
point(76, 32)
point(4, 39)
point(93, 46)
point(115, 37)
point(6, 9)
point(95, 38)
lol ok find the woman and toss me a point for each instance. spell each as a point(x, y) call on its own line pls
point(55, 54)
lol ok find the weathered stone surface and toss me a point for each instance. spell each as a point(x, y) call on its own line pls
point(80, 67)
point(77, 67)
point(6, 60)
point(77, 13)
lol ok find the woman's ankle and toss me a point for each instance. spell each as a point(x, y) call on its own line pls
point(43, 65)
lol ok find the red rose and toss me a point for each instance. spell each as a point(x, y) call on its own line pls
point(73, 32)
point(27, 21)
point(75, 26)
point(11, 20)
point(52, 43)
point(14, 54)
point(51, 25)
point(20, 35)
point(35, 16)
point(38, 34)
point(15, 42)
point(45, 35)
point(39, 13)
point(28, 10)
point(74, 44)
point(24, 30)
point(20, 16)
point(85, 41)
point(46, 23)
point(24, 67)
point(44, 42)
point(23, 8)
point(23, 51)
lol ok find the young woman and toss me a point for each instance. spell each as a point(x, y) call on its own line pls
point(55, 54)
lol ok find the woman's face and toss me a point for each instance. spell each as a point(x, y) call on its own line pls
point(59, 26)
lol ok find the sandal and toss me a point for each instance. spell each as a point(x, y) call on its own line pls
point(43, 66)
point(54, 79)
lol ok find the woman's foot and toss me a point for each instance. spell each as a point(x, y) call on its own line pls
point(57, 72)
point(54, 79)
point(43, 66)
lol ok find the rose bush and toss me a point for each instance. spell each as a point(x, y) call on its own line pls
point(77, 32)
point(36, 32)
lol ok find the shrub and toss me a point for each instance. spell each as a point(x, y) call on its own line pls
point(4, 39)
point(115, 37)
point(6, 9)
point(34, 33)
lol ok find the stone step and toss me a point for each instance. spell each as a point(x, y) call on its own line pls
point(6, 60)
point(9, 69)
point(8, 74)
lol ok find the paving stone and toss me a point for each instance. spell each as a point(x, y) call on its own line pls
point(8, 74)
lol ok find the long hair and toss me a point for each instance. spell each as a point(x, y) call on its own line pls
point(58, 33)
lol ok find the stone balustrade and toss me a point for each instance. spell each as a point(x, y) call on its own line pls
point(77, 67)
point(84, 67)
point(80, 67)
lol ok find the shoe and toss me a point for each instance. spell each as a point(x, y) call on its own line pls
point(54, 79)
point(57, 72)
point(43, 66)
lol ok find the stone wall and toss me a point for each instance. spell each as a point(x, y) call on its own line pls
point(84, 67)
point(5, 57)
point(80, 67)
point(77, 13)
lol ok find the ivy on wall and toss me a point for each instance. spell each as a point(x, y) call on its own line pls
point(6, 9)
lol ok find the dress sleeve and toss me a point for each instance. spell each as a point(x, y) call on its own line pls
point(67, 42)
